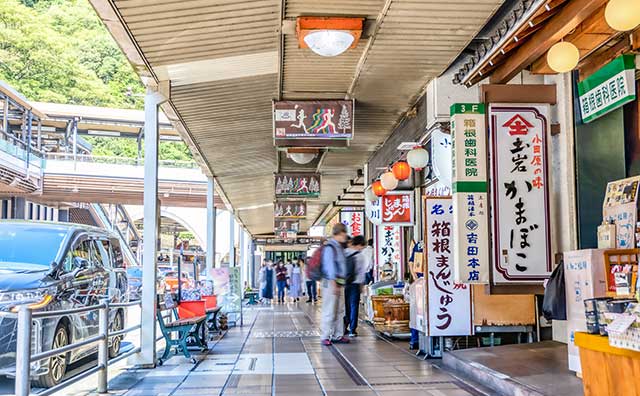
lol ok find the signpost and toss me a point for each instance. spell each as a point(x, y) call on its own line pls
point(608, 89)
point(522, 245)
point(300, 185)
point(470, 202)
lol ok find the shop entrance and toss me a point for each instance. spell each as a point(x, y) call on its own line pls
point(285, 256)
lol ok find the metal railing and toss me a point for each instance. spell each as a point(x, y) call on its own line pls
point(100, 159)
point(24, 357)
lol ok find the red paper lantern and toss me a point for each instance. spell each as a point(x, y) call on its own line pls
point(377, 188)
point(401, 170)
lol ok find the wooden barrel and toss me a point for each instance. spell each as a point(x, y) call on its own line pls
point(378, 302)
point(397, 310)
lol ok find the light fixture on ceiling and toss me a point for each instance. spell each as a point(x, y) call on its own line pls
point(328, 36)
point(622, 15)
point(302, 156)
point(563, 57)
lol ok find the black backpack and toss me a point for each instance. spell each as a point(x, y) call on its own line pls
point(350, 268)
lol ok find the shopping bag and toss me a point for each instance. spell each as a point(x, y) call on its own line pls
point(554, 304)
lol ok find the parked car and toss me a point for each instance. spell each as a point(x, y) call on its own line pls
point(58, 267)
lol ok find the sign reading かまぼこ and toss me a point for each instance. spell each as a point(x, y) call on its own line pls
point(313, 119)
point(522, 251)
point(608, 88)
point(470, 201)
point(397, 208)
point(449, 302)
point(297, 185)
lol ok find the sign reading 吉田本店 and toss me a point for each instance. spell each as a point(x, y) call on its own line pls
point(470, 202)
point(522, 251)
point(353, 221)
point(449, 302)
point(313, 119)
point(297, 185)
point(290, 210)
point(609, 88)
point(397, 208)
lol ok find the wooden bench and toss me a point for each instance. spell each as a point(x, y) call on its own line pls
point(185, 328)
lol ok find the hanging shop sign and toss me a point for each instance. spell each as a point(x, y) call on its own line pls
point(522, 249)
point(373, 211)
point(297, 185)
point(353, 221)
point(441, 152)
point(290, 210)
point(470, 201)
point(313, 119)
point(620, 208)
point(449, 302)
point(286, 228)
point(397, 208)
point(389, 251)
point(608, 89)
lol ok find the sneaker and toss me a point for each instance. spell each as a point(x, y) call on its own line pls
point(326, 342)
point(309, 300)
point(342, 340)
point(352, 334)
point(315, 301)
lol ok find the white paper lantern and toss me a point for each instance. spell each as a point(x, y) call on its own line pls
point(418, 158)
point(369, 195)
point(388, 181)
point(563, 57)
point(622, 15)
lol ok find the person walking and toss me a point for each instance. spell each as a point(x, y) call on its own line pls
point(367, 253)
point(334, 273)
point(312, 288)
point(352, 290)
point(296, 282)
point(266, 284)
point(281, 280)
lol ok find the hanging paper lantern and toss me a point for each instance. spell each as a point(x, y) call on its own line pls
point(369, 195)
point(401, 170)
point(622, 15)
point(388, 181)
point(418, 158)
point(377, 188)
point(563, 57)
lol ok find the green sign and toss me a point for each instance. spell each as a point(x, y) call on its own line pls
point(608, 89)
point(468, 151)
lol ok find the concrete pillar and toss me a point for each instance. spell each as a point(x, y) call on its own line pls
point(243, 256)
point(211, 226)
point(147, 356)
point(232, 240)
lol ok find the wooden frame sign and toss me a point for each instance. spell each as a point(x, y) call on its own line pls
point(313, 119)
point(290, 210)
point(302, 185)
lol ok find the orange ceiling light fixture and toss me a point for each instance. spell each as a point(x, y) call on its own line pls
point(329, 36)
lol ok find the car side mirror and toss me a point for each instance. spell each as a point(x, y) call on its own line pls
point(80, 264)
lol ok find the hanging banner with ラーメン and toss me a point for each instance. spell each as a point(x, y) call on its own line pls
point(449, 302)
point(522, 246)
point(470, 201)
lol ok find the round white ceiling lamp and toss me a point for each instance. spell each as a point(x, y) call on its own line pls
point(563, 57)
point(369, 195)
point(329, 42)
point(388, 181)
point(622, 15)
point(302, 158)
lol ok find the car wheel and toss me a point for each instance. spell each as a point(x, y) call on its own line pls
point(56, 365)
point(116, 342)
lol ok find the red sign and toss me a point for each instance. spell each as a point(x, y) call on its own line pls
point(397, 208)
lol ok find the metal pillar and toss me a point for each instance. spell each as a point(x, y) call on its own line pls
point(5, 115)
point(39, 135)
point(211, 226)
point(232, 240)
point(75, 140)
point(152, 102)
point(243, 256)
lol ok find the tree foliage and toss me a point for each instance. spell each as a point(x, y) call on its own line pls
point(59, 51)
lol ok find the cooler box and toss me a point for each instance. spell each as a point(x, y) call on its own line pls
point(210, 301)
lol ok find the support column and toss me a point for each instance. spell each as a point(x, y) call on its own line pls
point(5, 115)
point(243, 268)
point(152, 102)
point(232, 240)
point(39, 135)
point(211, 226)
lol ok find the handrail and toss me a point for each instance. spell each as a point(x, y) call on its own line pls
point(103, 159)
point(24, 357)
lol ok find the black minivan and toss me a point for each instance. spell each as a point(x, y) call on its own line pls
point(57, 267)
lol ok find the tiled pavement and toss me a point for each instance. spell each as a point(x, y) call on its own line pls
point(277, 352)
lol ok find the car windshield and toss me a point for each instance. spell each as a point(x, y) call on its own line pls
point(17, 246)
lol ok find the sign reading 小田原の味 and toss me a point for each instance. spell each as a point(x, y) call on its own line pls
point(607, 89)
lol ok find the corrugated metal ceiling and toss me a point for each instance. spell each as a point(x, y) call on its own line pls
point(229, 117)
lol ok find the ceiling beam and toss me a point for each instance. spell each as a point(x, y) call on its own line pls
point(571, 15)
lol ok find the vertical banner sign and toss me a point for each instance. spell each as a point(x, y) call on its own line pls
point(470, 202)
point(522, 251)
point(397, 208)
point(373, 211)
point(353, 222)
point(389, 247)
point(449, 302)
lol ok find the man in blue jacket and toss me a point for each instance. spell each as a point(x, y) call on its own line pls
point(333, 269)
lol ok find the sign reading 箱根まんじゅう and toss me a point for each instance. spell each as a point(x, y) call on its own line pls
point(608, 88)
